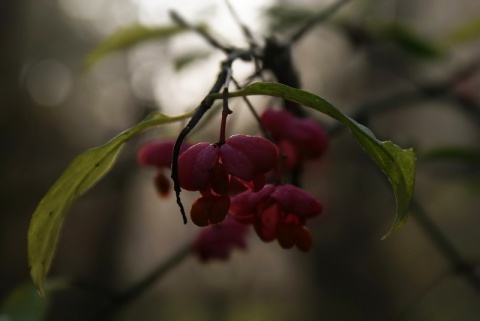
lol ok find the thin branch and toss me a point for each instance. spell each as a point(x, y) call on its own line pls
point(402, 315)
point(319, 18)
point(212, 41)
point(265, 132)
point(381, 105)
point(458, 263)
point(225, 112)
point(132, 293)
point(443, 90)
point(223, 79)
point(246, 32)
point(468, 106)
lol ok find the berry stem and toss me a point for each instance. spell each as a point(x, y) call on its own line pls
point(225, 112)
point(265, 132)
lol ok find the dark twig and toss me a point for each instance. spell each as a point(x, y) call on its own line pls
point(319, 18)
point(421, 92)
point(204, 106)
point(445, 90)
point(265, 132)
point(225, 112)
point(223, 79)
point(467, 105)
point(458, 263)
point(460, 266)
point(128, 296)
point(246, 32)
point(212, 41)
point(404, 313)
point(138, 288)
point(381, 105)
point(255, 49)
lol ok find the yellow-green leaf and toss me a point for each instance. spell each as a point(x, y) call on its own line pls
point(85, 170)
point(127, 38)
point(397, 164)
point(464, 33)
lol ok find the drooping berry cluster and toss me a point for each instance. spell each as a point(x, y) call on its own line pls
point(241, 164)
point(211, 168)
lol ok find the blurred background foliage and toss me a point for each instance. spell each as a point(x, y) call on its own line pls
point(408, 69)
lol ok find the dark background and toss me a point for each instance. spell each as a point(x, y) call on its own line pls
point(51, 110)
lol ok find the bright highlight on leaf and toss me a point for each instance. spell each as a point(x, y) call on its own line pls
point(85, 170)
point(397, 164)
point(127, 38)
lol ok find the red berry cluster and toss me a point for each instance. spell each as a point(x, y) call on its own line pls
point(211, 168)
point(217, 171)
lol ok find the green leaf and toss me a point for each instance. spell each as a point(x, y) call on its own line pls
point(127, 38)
point(397, 164)
point(466, 32)
point(85, 170)
point(409, 40)
point(24, 304)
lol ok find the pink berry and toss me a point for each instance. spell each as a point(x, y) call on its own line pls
point(278, 212)
point(214, 169)
point(218, 241)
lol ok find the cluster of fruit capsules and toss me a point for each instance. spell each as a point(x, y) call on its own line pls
point(231, 176)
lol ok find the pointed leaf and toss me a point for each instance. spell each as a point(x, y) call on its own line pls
point(127, 38)
point(397, 164)
point(85, 170)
